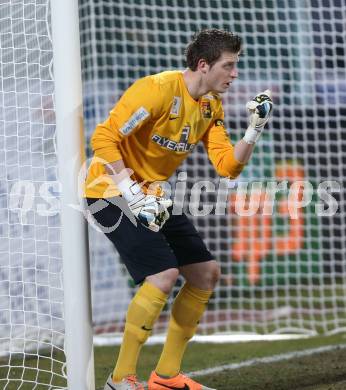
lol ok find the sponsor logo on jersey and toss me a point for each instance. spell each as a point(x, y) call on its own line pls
point(218, 122)
point(206, 109)
point(134, 120)
point(176, 105)
point(181, 146)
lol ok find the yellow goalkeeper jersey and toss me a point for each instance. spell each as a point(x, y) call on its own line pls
point(153, 127)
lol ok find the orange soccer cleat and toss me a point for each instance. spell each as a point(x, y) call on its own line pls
point(179, 382)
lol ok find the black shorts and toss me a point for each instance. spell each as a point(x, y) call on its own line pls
point(145, 252)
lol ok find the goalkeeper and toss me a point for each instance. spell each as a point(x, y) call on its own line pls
point(150, 131)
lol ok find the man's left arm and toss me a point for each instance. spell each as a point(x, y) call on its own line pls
point(260, 109)
point(230, 160)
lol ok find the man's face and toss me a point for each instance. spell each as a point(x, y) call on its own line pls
point(222, 73)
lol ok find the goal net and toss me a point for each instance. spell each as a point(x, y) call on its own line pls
point(282, 271)
point(31, 292)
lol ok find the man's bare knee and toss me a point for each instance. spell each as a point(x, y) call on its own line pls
point(211, 276)
point(164, 280)
point(203, 275)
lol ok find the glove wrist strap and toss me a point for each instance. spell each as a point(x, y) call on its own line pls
point(129, 188)
point(251, 135)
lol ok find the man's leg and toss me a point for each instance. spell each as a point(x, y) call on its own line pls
point(142, 313)
point(147, 256)
point(187, 310)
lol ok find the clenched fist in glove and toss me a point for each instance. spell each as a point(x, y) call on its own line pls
point(150, 210)
point(260, 109)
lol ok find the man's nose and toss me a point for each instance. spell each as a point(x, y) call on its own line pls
point(234, 73)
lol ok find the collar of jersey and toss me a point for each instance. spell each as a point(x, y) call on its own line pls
point(186, 90)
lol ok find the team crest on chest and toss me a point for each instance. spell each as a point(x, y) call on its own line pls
point(206, 109)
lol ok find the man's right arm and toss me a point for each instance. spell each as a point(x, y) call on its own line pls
point(132, 112)
point(129, 115)
point(122, 178)
point(150, 210)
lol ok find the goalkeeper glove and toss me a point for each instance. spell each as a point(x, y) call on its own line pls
point(150, 210)
point(260, 109)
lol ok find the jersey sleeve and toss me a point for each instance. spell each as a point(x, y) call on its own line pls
point(140, 104)
point(220, 149)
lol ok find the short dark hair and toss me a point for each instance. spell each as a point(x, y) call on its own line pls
point(209, 44)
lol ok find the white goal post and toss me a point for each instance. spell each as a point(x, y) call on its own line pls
point(70, 149)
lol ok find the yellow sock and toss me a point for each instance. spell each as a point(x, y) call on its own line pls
point(188, 308)
point(141, 315)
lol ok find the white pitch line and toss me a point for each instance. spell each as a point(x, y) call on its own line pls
point(267, 359)
point(108, 339)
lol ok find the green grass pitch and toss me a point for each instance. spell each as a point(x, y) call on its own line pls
point(322, 371)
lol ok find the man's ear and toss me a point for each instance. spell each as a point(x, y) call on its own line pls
point(202, 65)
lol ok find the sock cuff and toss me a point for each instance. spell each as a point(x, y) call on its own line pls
point(149, 290)
point(197, 293)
